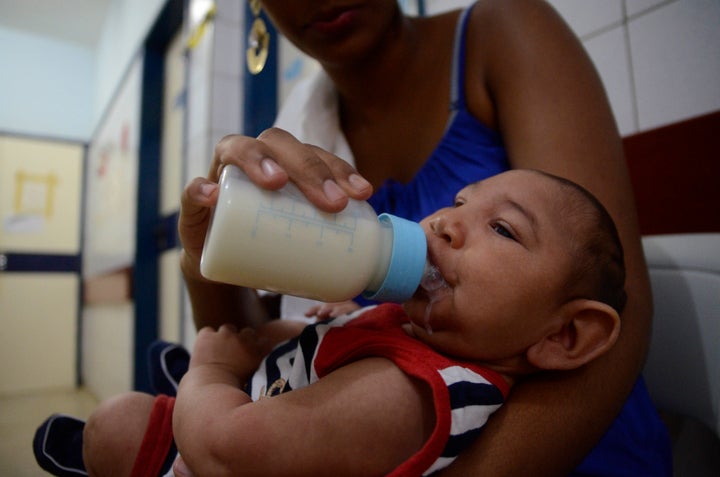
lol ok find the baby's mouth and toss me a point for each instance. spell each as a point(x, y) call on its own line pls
point(433, 284)
point(432, 288)
point(432, 279)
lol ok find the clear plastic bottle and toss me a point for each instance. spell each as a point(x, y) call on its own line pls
point(278, 241)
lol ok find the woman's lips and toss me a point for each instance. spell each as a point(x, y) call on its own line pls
point(335, 22)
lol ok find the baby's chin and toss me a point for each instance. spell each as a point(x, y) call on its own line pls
point(415, 307)
point(420, 316)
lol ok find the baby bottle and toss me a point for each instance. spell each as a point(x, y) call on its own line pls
point(278, 241)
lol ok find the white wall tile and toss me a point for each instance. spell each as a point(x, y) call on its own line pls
point(609, 53)
point(675, 51)
point(231, 11)
point(228, 49)
point(437, 6)
point(199, 86)
point(199, 156)
point(589, 16)
point(634, 7)
point(198, 98)
point(198, 150)
point(226, 104)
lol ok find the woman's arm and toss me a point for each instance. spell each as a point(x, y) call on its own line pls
point(362, 419)
point(551, 109)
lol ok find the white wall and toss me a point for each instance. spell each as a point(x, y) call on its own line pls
point(659, 59)
point(124, 30)
point(60, 89)
point(46, 86)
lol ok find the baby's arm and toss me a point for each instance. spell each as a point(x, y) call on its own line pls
point(275, 332)
point(370, 409)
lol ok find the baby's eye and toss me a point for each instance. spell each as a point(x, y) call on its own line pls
point(500, 229)
point(458, 202)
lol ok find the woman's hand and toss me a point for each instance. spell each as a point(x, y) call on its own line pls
point(276, 157)
point(196, 203)
point(270, 161)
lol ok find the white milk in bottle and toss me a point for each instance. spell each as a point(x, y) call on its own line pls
point(278, 241)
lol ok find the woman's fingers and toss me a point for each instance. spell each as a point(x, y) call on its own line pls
point(270, 161)
point(346, 176)
point(276, 157)
point(306, 169)
point(196, 203)
point(252, 156)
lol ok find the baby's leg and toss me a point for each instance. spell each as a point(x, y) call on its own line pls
point(116, 431)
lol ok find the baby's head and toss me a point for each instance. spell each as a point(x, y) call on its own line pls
point(534, 275)
point(597, 270)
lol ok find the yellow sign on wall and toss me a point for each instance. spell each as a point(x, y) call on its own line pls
point(40, 192)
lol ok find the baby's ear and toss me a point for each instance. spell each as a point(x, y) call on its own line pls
point(586, 329)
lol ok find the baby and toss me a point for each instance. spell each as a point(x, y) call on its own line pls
point(531, 278)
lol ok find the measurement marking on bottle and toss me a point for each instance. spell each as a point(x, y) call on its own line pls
point(303, 222)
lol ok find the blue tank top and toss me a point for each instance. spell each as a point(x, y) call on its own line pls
point(469, 151)
point(637, 443)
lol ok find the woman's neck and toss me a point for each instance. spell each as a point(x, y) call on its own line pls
point(374, 81)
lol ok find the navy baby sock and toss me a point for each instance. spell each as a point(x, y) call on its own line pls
point(58, 446)
point(167, 363)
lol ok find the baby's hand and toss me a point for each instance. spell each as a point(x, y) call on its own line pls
point(332, 310)
point(236, 352)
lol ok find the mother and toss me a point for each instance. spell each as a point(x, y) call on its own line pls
point(422, 111)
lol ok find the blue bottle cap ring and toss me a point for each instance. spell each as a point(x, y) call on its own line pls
point(407, 261)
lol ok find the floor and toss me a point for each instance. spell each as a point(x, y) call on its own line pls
point(21, 415)
point(696, 449)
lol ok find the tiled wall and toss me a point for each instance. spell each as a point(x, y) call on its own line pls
point(214, 83)
point(214, 88)
point(659, 59)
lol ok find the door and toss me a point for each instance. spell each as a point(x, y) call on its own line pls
point(40, 202)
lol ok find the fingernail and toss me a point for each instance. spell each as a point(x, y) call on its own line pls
point(333, 191)
point(358, 182)
point(208, 189)
point(270, 167)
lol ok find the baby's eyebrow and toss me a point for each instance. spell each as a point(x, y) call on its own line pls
point(527, 213)
point(467, 189)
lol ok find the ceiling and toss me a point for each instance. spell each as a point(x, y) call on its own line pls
point(78, 21)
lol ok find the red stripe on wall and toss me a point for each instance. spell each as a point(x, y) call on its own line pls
point(675, 171)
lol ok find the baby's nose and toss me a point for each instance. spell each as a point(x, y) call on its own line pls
point(448, 230)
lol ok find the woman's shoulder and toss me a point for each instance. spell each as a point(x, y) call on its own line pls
point(511, 45)
point(498, 25)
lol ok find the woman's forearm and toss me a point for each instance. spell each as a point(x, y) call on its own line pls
point(214, 304)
